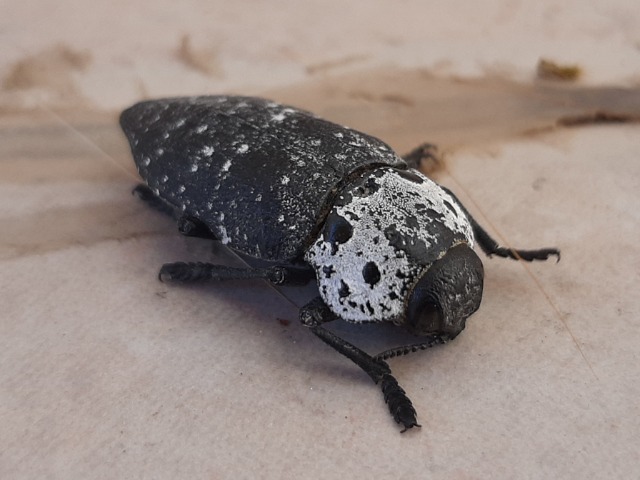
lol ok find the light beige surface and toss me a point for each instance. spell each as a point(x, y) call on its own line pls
point(107, 373)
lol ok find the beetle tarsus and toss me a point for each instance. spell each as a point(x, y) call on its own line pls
point(530, 255)
point(399, 404)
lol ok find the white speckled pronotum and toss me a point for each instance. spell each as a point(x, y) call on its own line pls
point(399, 226)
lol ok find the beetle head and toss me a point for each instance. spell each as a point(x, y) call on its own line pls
point(446, 294)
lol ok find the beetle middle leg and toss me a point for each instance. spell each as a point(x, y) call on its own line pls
point(314, 314)
point(198, 272)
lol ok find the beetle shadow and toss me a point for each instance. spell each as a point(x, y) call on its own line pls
point(273, 311)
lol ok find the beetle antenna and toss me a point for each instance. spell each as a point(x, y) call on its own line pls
point(431, 341)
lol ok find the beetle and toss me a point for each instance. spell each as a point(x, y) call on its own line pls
point(314, 200)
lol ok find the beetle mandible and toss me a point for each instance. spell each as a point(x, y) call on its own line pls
point(318, 201)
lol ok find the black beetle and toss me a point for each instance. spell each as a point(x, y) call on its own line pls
point(318, 201)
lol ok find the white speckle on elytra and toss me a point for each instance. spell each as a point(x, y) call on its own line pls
point(159, 151)
point(207, 150)
point(181, 189)
point(338, 134)
point(224, 238)
point(164, 179)
point(145, 161)
point(278, 117)
point(316, 142)
point(165, 135)
point(285, 180)
point(281, 219)
point(244, 148)
point(202, 128)
point(259, 197)
point(226, 165)
point(180, 122)
point(194, 167)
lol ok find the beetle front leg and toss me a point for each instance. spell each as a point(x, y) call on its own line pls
point(201, 272)
point(313, 315)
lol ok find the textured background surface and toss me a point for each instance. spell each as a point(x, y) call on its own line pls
point(107, 373)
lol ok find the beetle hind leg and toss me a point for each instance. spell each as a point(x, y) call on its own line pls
point(313, 315)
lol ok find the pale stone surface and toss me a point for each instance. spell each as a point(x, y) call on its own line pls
point(107, 373)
